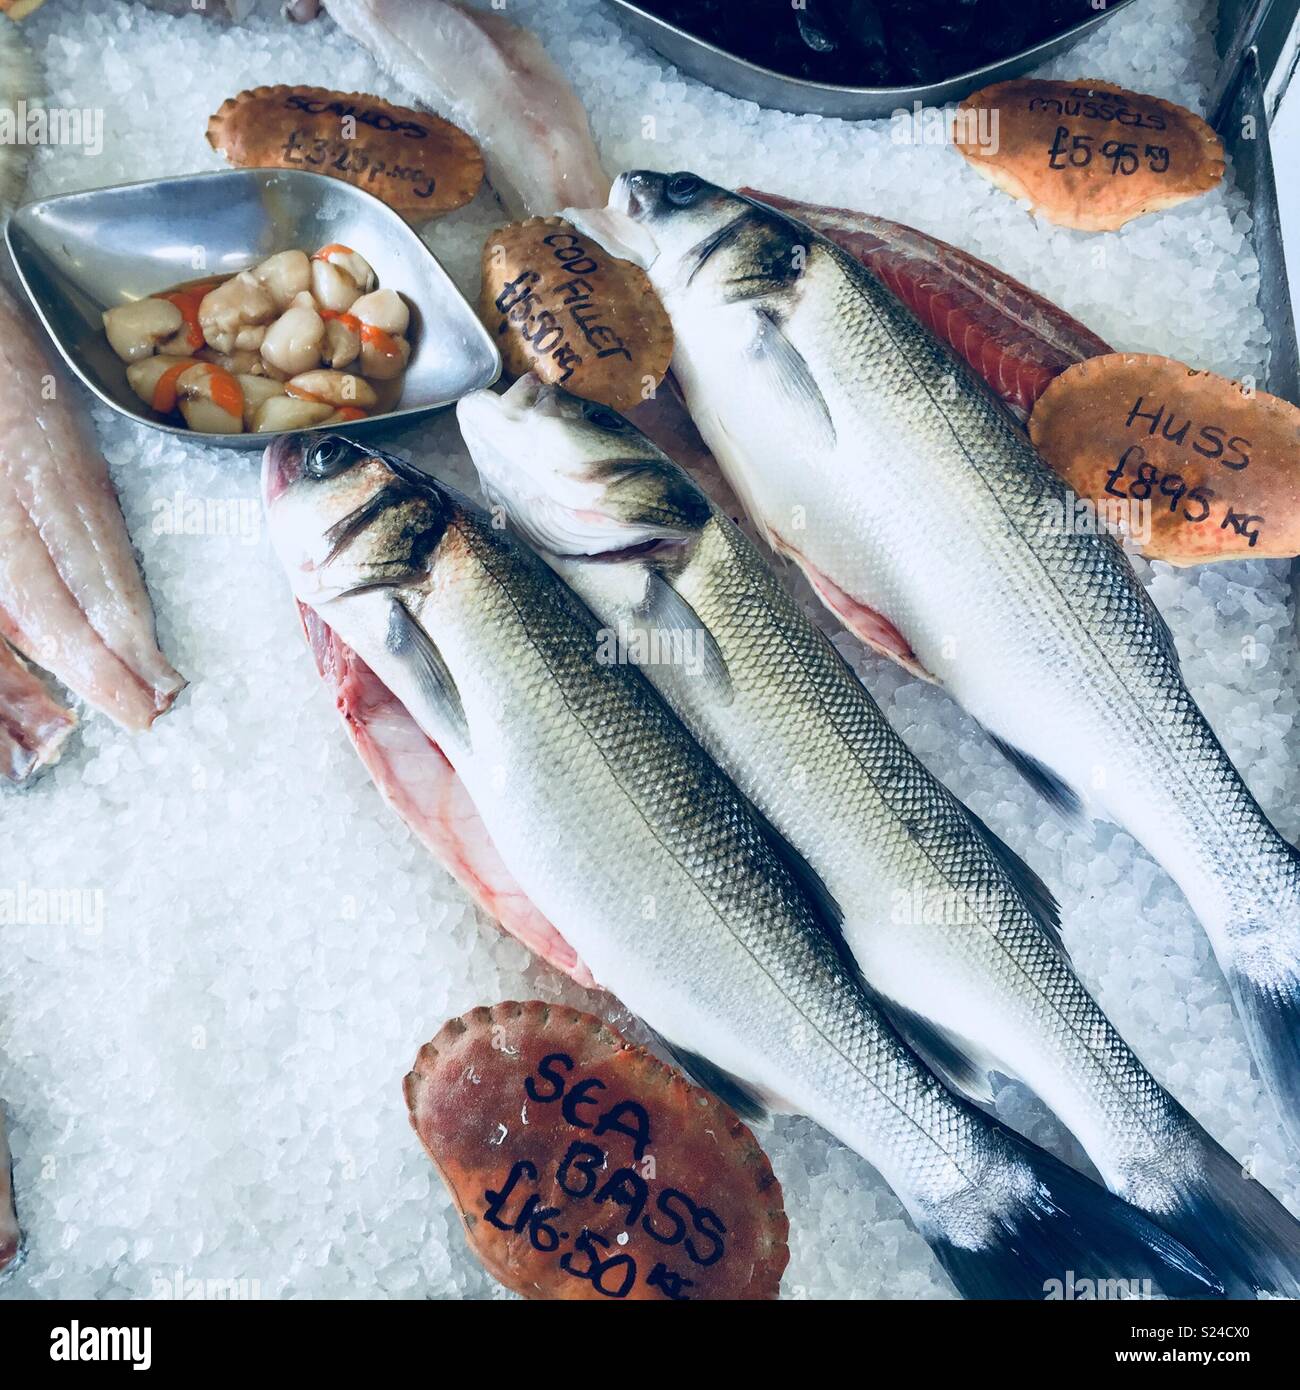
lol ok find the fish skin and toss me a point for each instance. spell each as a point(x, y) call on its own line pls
point(415, 778)
point(33, 725)
point(1016, 340)
point(937, 914)
point(494, 80)
point(831, 408)
point(654, 867)
point(71, 597)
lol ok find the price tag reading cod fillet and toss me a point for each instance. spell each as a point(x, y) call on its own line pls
point(584, 1168)
point(1194, 467)
point(560, 305)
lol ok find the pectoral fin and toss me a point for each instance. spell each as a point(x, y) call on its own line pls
point(802, 407)
point(416, 650)
point(692, 648)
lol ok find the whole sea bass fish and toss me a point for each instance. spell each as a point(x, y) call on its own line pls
point(955, 933)
point(663, 878)
point(924, 519)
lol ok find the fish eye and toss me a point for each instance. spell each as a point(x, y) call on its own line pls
point(330, 456)
point(683, 189)
point(603, 418)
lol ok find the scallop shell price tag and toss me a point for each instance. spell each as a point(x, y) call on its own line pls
point(1192, 466)
point(1084, 154)
point(560, 305)
point(417, 163)
point(584, 1168)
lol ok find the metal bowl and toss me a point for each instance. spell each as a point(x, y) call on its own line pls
point(81, 253)
point(741, 78)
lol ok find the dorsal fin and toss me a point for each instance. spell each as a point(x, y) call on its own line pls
point(1048, 785)
point(956, 1063)
point(1035, 894)
point(827, 914)
point(738, 1094)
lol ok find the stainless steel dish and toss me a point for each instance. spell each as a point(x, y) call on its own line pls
point(80, 253)
point(741, 78)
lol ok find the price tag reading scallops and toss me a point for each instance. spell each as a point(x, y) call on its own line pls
point(417, 163)
point(584, 1168)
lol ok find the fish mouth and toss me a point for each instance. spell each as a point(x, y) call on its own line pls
point(619, 226)
point(486, 421)
point(282, 465)
point(483, 416)
point(623, 198)
point(558, 511)
point(531, 393)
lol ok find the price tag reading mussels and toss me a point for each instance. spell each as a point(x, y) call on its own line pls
point(1085, 155)
point(560, 305)
point(585, 1168)
point(1190, 465)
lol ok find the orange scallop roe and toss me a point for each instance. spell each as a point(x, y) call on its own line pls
point(226, 391)
point(377, 338)
point(164, 392)
point(333, 249)
point(368, 333)
point(188, 301)
point(349, 321)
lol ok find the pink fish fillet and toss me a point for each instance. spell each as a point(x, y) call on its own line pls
point(33, 725)
point(71, 597)
point(496, 81)
point(420, 784)
point(1015, 339)
point(11, 1238)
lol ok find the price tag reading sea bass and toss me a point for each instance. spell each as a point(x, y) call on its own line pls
point(584, 1168)
point(1198, 467)
point(560, 305)
point(1084, 155)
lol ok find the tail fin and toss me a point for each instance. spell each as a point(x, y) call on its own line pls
point(1268, 1002)
point(1236, 1225)
point(1071, 1239)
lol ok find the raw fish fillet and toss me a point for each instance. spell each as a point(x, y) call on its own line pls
point(1015, 339)
point(494, 80)
point(33, 725)
point(420, 784)
point(71, 598)
point(11, 1237)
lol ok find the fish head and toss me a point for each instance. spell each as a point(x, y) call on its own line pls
point(345, 517)
point(705, 239)
point(574, 477)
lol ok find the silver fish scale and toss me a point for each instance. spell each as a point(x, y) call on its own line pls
point(751, 952)
point(806, 708)
point(1071, 598)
